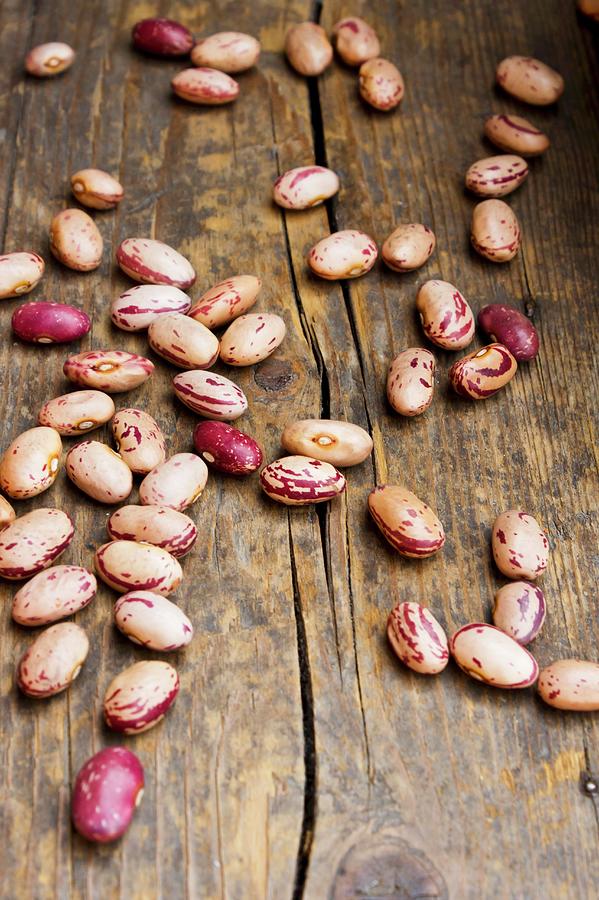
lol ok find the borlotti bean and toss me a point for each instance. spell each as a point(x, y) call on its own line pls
point(177, 483)
point(308, 49)
point(445, 315)
point(482, 373)
point(53, 594)
point(520, 546)
point(515, 135)
point(75, 240)
point(589, 8)
point(511, 328)
point(7, 513)
point(251, 338)
point(107, 791)
point(30, 464)
point(228, 51)
point(299, 480)
point(183, 341)
point(381, 84)
point(152, 262)
point(53, 661)
point(162, 37)
point(571, 684)
point(113, 371)
point(137, 308)
point(33, 541)
point(152, 621)
point(49, 59)
point(417, 638)
point(226, 300)
point(304, 187)
point(408, 524)
point(212, 396)
point(77, 413)
point(99, 472)
point(96, 189)
point(133, 565)
point(488, 654)
point(140, 696)
point(408, 247)
point(49, 323)
point(496, 176)
point(20, 272)
point(355, 41)
point(519, 610)
point(343, 254)
point(161, 526)
point(208, 87)
point(495, 231)
point(529, 80)
point(139, 440)
point(411, 381)
point(226, 449)
point(330, 440)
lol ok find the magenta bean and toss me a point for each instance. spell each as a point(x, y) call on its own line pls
point(511, 328)
point(107, 791)
point(226, 449)
point(139, 697)
point(162, 37)
point(33, 541)
point(49, 323)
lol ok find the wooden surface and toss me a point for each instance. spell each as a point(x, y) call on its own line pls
point(301, 759)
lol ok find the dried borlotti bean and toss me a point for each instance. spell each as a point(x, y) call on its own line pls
point(183, 341)
point(408, 247)
point(7, 513)
point(153, 262)
point(355, 41)
point(161, 526)
point(330, 440)
point(445, 315)
point(139, 440)
point(75, 240)
point(96, 189)
point(519, 610)
point(162, 37)
point(417, 638)
point(99, 472)
point(381, 84)
point(113, 371)
point(511, 328)
point(212, 396)
point(515, 135)
point(133, 565)
point(30, 464)
point(226, 300)
point(208, 87)
point(411, 381)
point(107, 791)
point(226, 449)
point(177, 483)
point(488, 654)
point(33, 541)
point(343, 254)
point(140, 696)
point(299, 480)
point(152, 621)
point(49, 323)
point(228, 51)
point(483, 372)
point(137, 308)
point(251, 338)
point(53, 661)
point(77, 413)
point(304, 187)
point(53, 594)
point(529, 80)
point(19, 273)
point(495, 231)
point(520, 546)
point(49, 59)
point(496, 176)
point(308, 49)
point(408, 524)
point(571, 684)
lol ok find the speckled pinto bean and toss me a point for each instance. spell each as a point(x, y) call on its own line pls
point(589, 8)
point(571, 684)
point(99, 472)
point(515, 135)
point(343, 254)
point(49, 323)
point(304, 187)
point(330, 440)
point(381, 84)
point(488, 654)
point(152, 262)
point(137, 308)
point(226, 300)
point(133, 565)
point(33, 541)
point(113, 371)
point(152, 621)
point(226, 449)
point(208, 87)
point(140, 696)
point(520, 546)
point(251, 338)
point(411, 381)
point(53, 594)
point(161, 526)
point(408, 247)
point(355, 41)
point(417, 638)
point(107, 791)
point(495, 231)
point(7, 513)
point(162, 37)
point(183, 341)
point(96, 189)
point(75, 240)
point(496, 176)
point(139, 440)
point(53, 661)
point(228, 51)
point(408, 524)
point(19, 273)
point(519, 610)
point(77, 413)
point(299, 480)
point(177, 483)
point(529, 80)
point(30, 464)
point(511, 328)
point(445, 315)
point(308, 49)
point(482, 373)
point(212, 396)
point(49, 59)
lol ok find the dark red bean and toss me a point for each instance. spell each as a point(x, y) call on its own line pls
point(226, 449)
point(49, 323)
point(162, 37)
point(107, 790)
point(511, 328)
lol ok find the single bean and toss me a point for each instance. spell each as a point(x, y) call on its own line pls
point(520, 546)
point(133, 565)
point(77, 413)
point(571, 684)
point(496, 176)
point(177, 483)
point(96, 189)
point(299, 480)
point(113, 371)
point(99, 472)
point(183, 341)
point(137, 308)
point(529, 80)
point(162, 37)
point(251, 338)
point(139, 697)
point(488, 654)
point(208, 87)
point(308, 49)
point(152, 262)
point(53, 661)
point(226, 449)
point(589, 8)
point(304, 187)
point(483, 372)
point(343, 254)
point(515, 135)
point(20, 272)
point(408, 247)
point(50, 323)
point(495, 231)
point(212, 396)
point(107, 791)
point(226, 300)
point(519, 610)
point(152, 621)
point(408, 524)
point(49, 59)
point(411, 381)
point(53, 594)
point(445, 315)
point(33, 541)
point(511, 328)
point(75, 240)
point(417, 638)
point(355, 41)
point(228, 51)
point(161, 526)
point(139, 440)
point(336, 442)
point(30, 464)
point(7, 513)
point(381, 84)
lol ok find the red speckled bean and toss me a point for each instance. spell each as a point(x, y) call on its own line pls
point(355, 41)
point(343, 254)
point(495, 231)
point(511, 328)
point(251, 338)
point(520, 546)
point(49, 323)
point(19, 273)
point(49, 59)
point(445, 315)
point(381, 84)
point(96, 189)
point(408, 524)
point(161, 526)
point(529, 80)
point(33, 541)
point(162, 37)
point(332, 441)
point(411, 381)
point(133, 565)
point(53, 594)
point(140, 696)
point(226, 300)
point(177, 483)
point(515, 135)
point(77, 413)
point(417, 638)
point(183, 341)
point(212, 396)
point(107, 791)
point(112, 371)
point(152, 621)
point(488, 654)
point(75, 240)
point(30, 464)
point(228, 51)
point(139, 440)
point(304, 187)
point(308, 49)
point(99, 472)
point(571, 684)
point(226, 449)
point(53, 661)
point(408, 247)
point(519, 610)
point(496, 176)
point(137, 308)
point(208, 87)
point(153, 262)
point(7, 513)
point(483, 372)
point(299, 480)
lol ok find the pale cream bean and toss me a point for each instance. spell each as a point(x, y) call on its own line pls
point(152, 621)
point(529, 80)
point(139, 440)
point(355, 41)
point(520, 546)
point(75, 240)
point(515, 135)
point(408, 524)
point(496, 176)
point(488, 654)
point(139, 697)
point(519, 610)
point(336, 442)
point(113, 371)
point(96, 189)
point(483, 372)
point(571, 684)
point(30, 464)
point(183, 341)
point(53, 661)
point(495, 231)
point(99, 472)
point(77, 413)
point(308, 49)
point(445, 315)
point(19, 273)
point(205, 86)
point(7, 513)
point(417, 638)
point(53, 594)
point(161, 526)
point(136, 309)
point(153, 262)
point(226, 300)
point(251, 338)
point(299, 480)
point(304, 187)
point(133, 565)
point(411, 381)
point(33, 541)
point(177, 483)
point(212, 396)
point(381, 84)
point(343, 254)
point(228, 51)
point(49, 59)
point(408, 247)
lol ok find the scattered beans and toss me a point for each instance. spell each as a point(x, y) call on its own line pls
point(20, 272)
point(495, 231)
point(33, 541)
point(53, 594)
point(208, 87)
point(226, 449)
point(304, 187)
point(49, 59)
point(511, 328)
point(162, 37)
point(411, 381)
point(408, 524)
point(99, 472)
point(417, 638)
point(520, 546)
point(96, 189)
point(332, 441)
point(153, 262)
point(496, 176)
point(381, 84)
point(132, 565)
point(107, 791)
point(515, 135)
point(355, 41)
point(529, 80)
point(299, 480)
point(445, 315)
point(571, 684)
point(251, 338)
point(488, 654)
point(77, 413)
point(53, 661)
point(408, 247)
point(152, 621)
point(139, 440)
point(343, 254)
point(7, 513)
point(183, 341)
point(519, 610)
point(229, 51)
point(49, 323)
point(161, 526)
point(226, 300)
point(177, 483)
point(137, 308)
point(308, 49)
point(113, 371)
point(30, 464)
point(75, 240)
point(483, 372)
point(139, 697)
point(212, 396)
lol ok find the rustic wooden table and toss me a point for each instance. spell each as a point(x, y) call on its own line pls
point(301, 759)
